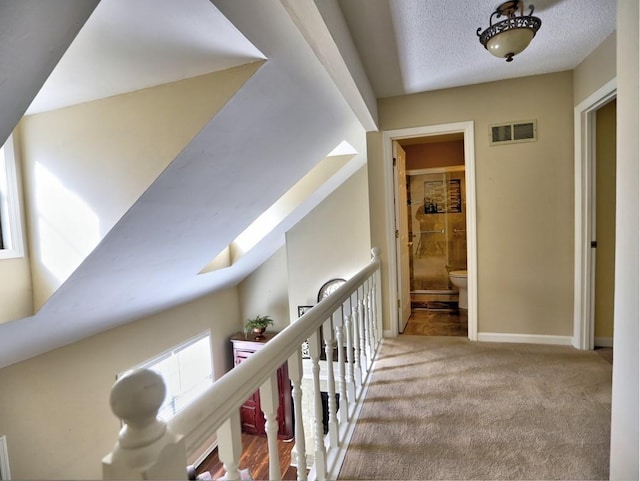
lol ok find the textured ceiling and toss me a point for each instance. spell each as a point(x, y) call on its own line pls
point(410, 46)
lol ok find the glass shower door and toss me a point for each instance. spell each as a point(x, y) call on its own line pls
point(437, 227)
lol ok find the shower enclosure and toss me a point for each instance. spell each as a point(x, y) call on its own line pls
point(437, 231)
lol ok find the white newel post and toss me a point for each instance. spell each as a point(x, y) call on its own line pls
point(269, 405)
point(299, 449)
point(146, 447)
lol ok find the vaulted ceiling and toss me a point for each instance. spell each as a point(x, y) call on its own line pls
point(326, 62)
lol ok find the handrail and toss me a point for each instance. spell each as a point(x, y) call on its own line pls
point(357, 300)
point(231, 390)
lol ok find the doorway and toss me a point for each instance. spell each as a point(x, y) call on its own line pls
point(439, 253)
point(605, 225)
point(586, 242)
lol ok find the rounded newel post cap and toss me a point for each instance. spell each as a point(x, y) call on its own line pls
point(137, 397)
point(375, 253)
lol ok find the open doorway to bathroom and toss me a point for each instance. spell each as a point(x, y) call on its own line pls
point(435, 229)
point(397, 208)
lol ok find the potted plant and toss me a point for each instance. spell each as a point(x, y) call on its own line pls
point(258, 325)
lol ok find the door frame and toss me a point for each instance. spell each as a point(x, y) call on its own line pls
point(585, 223)
point(466, 128)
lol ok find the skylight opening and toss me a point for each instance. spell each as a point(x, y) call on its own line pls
point(283, 207)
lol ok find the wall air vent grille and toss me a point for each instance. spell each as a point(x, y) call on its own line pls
point(513, 132)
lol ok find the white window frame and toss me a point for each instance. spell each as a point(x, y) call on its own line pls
point(10, 205)
point(150, 363)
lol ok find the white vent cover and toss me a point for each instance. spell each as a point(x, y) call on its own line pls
point(513, 132)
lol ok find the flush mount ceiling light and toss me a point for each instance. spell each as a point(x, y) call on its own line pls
point(511, 36)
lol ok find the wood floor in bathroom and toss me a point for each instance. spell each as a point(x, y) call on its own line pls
point(437, 323)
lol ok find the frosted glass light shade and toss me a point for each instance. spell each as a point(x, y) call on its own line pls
point(510, 42)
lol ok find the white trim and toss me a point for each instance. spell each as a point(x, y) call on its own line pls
point(388, 333)
point(5, 472)
point(584, 223)
point(11, 210)
point(525, 338)
point(603, 341)
point(470, 180)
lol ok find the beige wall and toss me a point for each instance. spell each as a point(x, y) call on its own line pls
point(265, 291)
point(524, 197)
point(84, 166)
point(54, 408)
point(596, 70)
point(16, 296)
point(16, 301)
point(605, 219)
point(331, 241)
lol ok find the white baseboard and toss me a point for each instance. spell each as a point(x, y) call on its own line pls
point(387, 333)
point(603, 342)
point(525, 338)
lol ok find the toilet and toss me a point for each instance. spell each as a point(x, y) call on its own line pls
point(459, 279)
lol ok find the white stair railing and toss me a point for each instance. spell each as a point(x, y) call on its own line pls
point(148, 448)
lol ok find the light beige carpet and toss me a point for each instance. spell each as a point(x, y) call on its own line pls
point(447, 408)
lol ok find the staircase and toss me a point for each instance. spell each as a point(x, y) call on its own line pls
point(148, 448)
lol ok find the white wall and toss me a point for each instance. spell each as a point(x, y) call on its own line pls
point(331, 241)
point(625, 402)
point(54, 408)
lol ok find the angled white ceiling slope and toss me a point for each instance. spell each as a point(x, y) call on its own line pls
point(280, 123)
point(33, 37)
point(410, 46)
point(135, 44)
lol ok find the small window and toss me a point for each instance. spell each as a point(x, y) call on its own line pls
point(10, 225)
point(187, 371)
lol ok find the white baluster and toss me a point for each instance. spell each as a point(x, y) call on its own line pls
point(372, 317)
point(299, 449)
point(377, 293)
point(269, 406)
point(320, 453)
point(348, 329)
point(365, 331)
point(343, 410)
point(331, 384)
point(364, 364)
point(146, 447)
point(230, 445)
point(355, 314)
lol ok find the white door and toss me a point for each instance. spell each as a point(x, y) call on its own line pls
point(402, 236)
